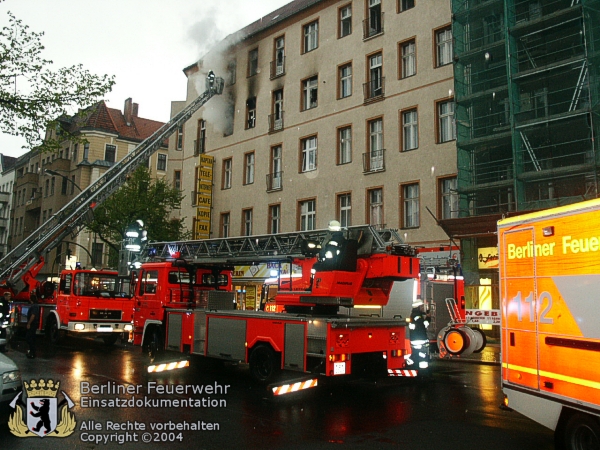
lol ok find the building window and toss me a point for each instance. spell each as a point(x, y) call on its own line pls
point(345, 81)
point(409, 58)
point(179, 137)
point(200, 146)
point(97, 251)
point(410, 205)
point(345, 26)
point(274, 219)
point(86, 152)
point(375, 207)
point(309, 154)
point(73, 184)
point(110, 153)
point(227, 169)
point(375, 19)
point(375, 82)
point(345, 145)
point(445, 120)
point(403, 5)
point(161, 163)
point(311, 36)
point(279, 64)
point(247, 222)
point(251, 112)
point(443, 42)
point(63, 188)
point(410, 130)
point(232, 70)
point(309, 93)
point(344, 209)
point(52, 185)
point(376, 144)
point(75, 153)
point(252, 62)
point(274, 181)
point(224, 225)
point(276, 119)
point(308, 215)
point(249, 168)
point(177, 180)
point(448, 198)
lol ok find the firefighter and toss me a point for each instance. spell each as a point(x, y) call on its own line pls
point(328, 256)
point(419, 321)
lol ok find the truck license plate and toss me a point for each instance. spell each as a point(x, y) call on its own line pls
point(104, 329)
point(339, 368)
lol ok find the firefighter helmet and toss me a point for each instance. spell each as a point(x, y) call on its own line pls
point(334, 225)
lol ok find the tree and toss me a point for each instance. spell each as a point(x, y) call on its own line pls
point(140, 198)
point(32, 95)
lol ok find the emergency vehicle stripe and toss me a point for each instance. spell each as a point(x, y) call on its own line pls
point(556, 376)
point(402, 373)
point(298, 386)
point(168, 366)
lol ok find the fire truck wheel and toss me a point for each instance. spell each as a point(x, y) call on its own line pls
point(53, 333)
point(110, 340)
point(483, 340)
point(582, 432)
point(262, 363)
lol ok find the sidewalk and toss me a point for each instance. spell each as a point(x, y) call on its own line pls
point(489, 355)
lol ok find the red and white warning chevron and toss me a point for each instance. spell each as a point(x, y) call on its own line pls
point(298, 386)
point(402, 373)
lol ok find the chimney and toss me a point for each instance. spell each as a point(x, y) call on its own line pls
point(128, 111)
point(134, 112)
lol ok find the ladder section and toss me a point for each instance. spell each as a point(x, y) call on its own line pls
point(275, 247)
point(75, 214)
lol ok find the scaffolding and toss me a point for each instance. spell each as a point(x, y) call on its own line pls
point(527, 103)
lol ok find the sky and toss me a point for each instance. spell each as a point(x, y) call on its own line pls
point(146, 44)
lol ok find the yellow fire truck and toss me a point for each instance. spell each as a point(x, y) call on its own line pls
point(550, 294)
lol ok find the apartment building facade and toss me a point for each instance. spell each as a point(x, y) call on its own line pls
point(45, 182)
point(331, 110)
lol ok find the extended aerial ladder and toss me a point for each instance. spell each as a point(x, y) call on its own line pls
point(72, 217)
point(273, 247)
point(361, 272)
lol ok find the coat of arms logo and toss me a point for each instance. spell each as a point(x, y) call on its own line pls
point(42, 409)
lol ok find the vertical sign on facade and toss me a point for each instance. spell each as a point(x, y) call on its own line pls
point(204, 189)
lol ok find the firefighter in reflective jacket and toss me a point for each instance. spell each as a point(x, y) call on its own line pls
point(419, 321)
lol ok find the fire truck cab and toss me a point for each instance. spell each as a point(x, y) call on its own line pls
point(91, 303)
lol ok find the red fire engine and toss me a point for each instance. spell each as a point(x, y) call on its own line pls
point(185, 303)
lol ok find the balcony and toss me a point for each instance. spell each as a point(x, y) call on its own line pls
point(59, 164)
point(373, 25)
point(274, 181)
point(374, 161)
point(3, 223)
point(278, 68)
point(28, 178)
point(33, 203)
point(275, 122)
point(374, 90)
point(4, 197)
